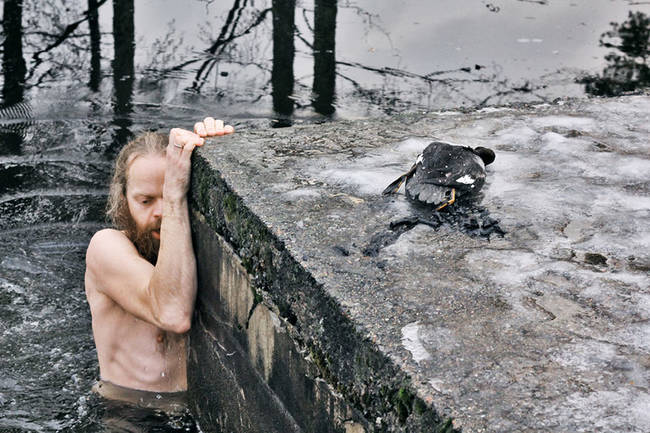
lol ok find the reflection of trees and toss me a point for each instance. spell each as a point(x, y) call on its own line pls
point(626, 69)
point(229, 33)
point(324, 56)
point(13, 70)
point(123, 69)
point(51, 32)
point(95, 45)
point(62, 49)
point(401, 88)
point(13, 64)
point(283, 54)
point(388, 97)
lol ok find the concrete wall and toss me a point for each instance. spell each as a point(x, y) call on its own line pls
point(246, 374)
point(269, 349)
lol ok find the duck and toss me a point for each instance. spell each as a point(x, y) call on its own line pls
point(443, 173)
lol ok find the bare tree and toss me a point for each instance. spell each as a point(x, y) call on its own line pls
point(61, 35)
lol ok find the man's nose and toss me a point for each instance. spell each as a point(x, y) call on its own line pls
point(157, 209)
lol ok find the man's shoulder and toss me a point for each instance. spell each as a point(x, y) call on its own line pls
point(106, 243)
point(107, 236)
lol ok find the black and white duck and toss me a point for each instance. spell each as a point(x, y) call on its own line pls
point(444, 172)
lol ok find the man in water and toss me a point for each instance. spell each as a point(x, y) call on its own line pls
point(141, 276)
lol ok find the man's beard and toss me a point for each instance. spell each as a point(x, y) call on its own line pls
point(144, 242)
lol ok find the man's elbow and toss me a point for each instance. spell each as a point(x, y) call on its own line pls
point(178, 323)
point(182, 326)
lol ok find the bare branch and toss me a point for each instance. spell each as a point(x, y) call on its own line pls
point(217, 44)
point(69, 29)
point(402, 73)
point(223, 41)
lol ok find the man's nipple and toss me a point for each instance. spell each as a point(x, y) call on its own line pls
point(160, 338)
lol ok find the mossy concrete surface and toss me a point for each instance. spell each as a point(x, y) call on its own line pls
point(543, 329)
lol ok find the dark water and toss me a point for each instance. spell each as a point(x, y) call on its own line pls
point(77, 83)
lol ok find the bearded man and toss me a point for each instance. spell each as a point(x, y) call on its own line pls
point(141, 275)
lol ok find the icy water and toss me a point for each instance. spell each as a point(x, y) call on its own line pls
point(86, 90)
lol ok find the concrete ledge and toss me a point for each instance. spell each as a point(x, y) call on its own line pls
point(544, 329)
point(270, 350)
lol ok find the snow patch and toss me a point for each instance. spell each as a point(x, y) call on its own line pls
point(413, 145)
point(569, 122)
point(411, 341)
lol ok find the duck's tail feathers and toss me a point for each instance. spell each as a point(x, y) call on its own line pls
point(395, 185)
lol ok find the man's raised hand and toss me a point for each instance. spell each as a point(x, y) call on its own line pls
point(211, 127)
point(179, 151)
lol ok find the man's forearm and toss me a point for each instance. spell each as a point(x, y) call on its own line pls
point(172, 288)
point(173, 284)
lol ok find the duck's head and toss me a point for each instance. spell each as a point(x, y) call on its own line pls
point(487, 155)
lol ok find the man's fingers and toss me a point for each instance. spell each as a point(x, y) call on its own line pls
point(199, 129)
point(210, 125)
point(218, 127)
point(180, 138)
point(194, 141)
point(189, 147)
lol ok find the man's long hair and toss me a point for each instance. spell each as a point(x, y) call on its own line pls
point(117, 209)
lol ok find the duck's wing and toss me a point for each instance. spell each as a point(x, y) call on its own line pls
point(431, 152)
point(428, 193)
point(461, 169)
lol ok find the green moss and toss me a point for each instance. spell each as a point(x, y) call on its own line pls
point(419, 406)
point(403, 403)
point(446, 427)
point(229, 206)
point(318, 359)
point(247, 263)
point(366, 399)
point(323, 367)
point(257, 296)
point(201, 185)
